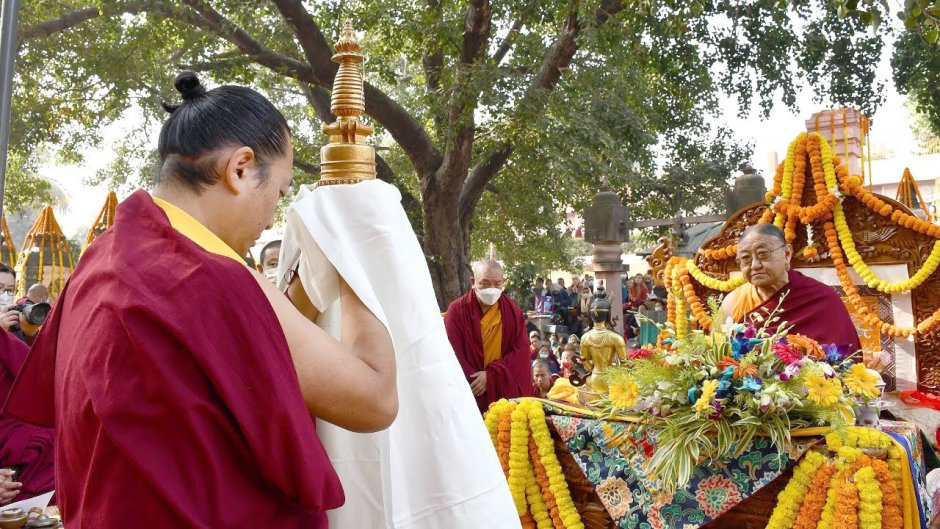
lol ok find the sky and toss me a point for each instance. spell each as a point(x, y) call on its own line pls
point(891, 127)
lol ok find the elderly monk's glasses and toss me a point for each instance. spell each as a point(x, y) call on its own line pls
point(761, 255)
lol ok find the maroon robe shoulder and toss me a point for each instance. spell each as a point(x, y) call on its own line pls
point(815, 310)
point(510, 376)
point(25, 446)
point(171, 386)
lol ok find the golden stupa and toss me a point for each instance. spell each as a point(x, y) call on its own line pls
point(347, 159)
point(103, 221)
point(46, 257)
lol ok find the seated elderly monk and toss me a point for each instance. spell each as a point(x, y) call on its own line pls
point(812, 308)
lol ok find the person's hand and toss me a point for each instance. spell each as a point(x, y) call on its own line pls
point(9, 319)
point(478, 383)
point(8, 488)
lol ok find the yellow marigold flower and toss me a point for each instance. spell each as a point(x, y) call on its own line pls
point(861, 381)
point(823, 392)
point(624, 393)
point(708, 392)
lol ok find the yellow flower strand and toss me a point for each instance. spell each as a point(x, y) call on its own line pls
point(869, 495)
point(537, 507)
point(556, 477)
point(682, 321)
point(791, 498)
point(711, 282)
point(519, 459)
point(867, 274)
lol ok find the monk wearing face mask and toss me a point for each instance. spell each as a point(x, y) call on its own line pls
point(488, 333)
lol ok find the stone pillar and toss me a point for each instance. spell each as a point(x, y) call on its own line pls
point(604, 227)
point(843, 128)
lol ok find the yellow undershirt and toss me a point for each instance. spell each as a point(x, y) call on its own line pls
point(194, 230)
point(491, 327)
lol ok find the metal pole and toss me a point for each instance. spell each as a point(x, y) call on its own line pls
point(9, 26)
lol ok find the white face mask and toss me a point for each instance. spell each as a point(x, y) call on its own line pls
point(271, 274)
point(6, 299)
point(488, 296)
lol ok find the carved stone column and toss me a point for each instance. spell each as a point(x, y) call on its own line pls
point(604, 227)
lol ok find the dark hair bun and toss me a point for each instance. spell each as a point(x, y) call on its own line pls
point(188, 85)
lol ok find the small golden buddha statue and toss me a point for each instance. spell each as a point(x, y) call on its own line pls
point(601, 347)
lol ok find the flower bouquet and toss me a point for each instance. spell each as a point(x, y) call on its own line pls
point(705, 396)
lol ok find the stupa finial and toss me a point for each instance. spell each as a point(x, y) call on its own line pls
point(347, 159)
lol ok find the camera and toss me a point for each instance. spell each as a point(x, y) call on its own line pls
point(34, 313)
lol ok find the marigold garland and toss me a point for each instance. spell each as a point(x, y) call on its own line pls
point(785, 209)
point(891, 517)
point(791, 497)
point(845, 513)
point(527, 453)
point(713, 283)
point(869, 495)
point(811, 510)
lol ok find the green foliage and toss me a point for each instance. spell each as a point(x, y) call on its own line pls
point(917, 74)
point(634, 108)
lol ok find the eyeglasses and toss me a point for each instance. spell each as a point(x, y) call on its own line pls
point(761, 255)
point(6, 291)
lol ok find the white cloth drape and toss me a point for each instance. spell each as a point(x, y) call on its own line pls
point(435, 467)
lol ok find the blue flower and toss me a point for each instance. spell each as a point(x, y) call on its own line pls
point(724, 383)
point(694, 393)
point(742, 344)
point(750, 383)
point(835, 353)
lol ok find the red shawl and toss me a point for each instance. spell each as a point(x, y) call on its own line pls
point(814, 309)
point(510, 376)
point(172, 390)
point(28, 447)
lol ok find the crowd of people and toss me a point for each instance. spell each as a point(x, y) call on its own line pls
point(568, 306)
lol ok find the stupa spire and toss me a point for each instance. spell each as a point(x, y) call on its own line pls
point(347, 159)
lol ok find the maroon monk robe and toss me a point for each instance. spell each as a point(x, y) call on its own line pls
point(24, 446)
point(813, 309)
point(508, 377)
point(175, 399)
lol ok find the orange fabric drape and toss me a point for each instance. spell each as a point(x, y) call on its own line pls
point(746, 299)
point(491, 327)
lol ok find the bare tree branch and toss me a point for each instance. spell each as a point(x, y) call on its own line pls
point(553, 65)
point(479, 178)
point(74, 18)
point(507, 43)
point(319, 99)
point(461, 125)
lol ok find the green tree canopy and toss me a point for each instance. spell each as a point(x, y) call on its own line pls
point(494, 119)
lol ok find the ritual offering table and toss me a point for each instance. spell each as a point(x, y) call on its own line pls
point(570, 467)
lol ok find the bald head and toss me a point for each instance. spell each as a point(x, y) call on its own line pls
point(487, 274)
point(38, 293)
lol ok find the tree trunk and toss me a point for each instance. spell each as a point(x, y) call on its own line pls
point(446, 247)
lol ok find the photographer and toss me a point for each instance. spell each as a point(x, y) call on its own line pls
point(25, 319)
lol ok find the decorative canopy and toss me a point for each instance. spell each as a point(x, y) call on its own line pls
point(909, 195)
point(7, 249)
point(103, 221)
point(46, 257)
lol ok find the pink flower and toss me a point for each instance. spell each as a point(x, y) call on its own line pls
point(787, 354)
point(638, 354)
